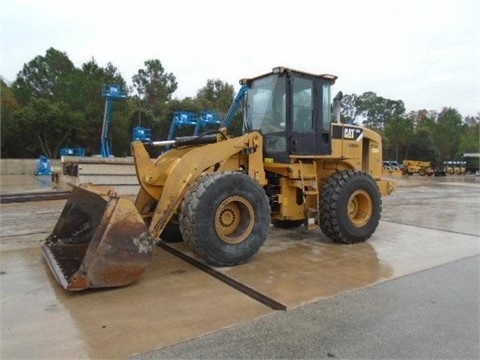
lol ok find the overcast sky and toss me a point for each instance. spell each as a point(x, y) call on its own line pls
point(426, 53)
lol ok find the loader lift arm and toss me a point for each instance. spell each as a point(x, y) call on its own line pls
point(164, 183)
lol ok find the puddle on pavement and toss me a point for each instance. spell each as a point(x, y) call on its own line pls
point(295, 267)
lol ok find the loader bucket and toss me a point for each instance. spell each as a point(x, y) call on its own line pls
point(98, 241)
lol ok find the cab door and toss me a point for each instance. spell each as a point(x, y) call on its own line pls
point(310, 114)
point(302, 139)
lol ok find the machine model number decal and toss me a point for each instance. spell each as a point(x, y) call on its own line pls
point(350, 133)
point(375, 149)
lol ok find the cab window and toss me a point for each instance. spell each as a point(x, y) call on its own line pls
point(302, 97)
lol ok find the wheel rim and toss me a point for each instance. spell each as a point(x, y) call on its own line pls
point(234, 219)
point(359, 208)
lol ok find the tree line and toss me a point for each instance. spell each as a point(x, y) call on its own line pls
point(52, 105)
point(425, 135)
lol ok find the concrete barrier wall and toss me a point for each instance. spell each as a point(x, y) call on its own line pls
point(118, 173)
point(21, 166)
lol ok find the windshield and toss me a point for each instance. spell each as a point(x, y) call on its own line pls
point(266, 111)
point(266, 104)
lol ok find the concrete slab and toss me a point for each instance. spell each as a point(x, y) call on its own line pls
point(448, 203)
point(172, 303)
point(27, 224)
point(432, 314)
point(118, 173)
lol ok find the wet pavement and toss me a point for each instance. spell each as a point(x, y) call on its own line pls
point(432, 314)
point(428, 224)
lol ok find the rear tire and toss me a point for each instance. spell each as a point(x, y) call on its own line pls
point(225, 218)
point(350, 207)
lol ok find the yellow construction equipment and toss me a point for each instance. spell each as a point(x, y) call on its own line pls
point(421, 168)
point(455, 167)
point(293, 165)
point(393, 168)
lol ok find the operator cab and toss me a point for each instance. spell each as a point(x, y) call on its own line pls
point(292, 110)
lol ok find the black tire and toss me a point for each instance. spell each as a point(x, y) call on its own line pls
point(225, 217)
point(287, 224)
point(422, 172)
point(171, 233)
point(350, 207)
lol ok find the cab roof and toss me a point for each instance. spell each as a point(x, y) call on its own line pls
point(282, 70)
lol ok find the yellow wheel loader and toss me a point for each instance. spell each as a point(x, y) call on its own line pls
point(220, 193)
point(421, 168)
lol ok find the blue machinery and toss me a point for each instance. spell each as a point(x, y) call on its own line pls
point(141, 134)
point(72, 152)
point(185, 118)
point(43, 166)
point(114, 92)
point(111, 92)
point(237, 102)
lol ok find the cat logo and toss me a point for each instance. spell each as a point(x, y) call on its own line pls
point(350, 133)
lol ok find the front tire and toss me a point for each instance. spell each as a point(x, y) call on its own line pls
point(225, 218)
point(350, 207)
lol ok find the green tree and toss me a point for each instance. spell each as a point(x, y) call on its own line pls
point(41, 76)
point(154, 86)
point(349, 111)
point(470, 137)
point(377, 111)
point(9, 106)
point(46, 125)
point(421, 147)
point(215, 95)
point(446, 132)
point(154, 90)
point(78, 94)
point(82, 91)
point(398, 132)
point(218, 96)
point(423, 118)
